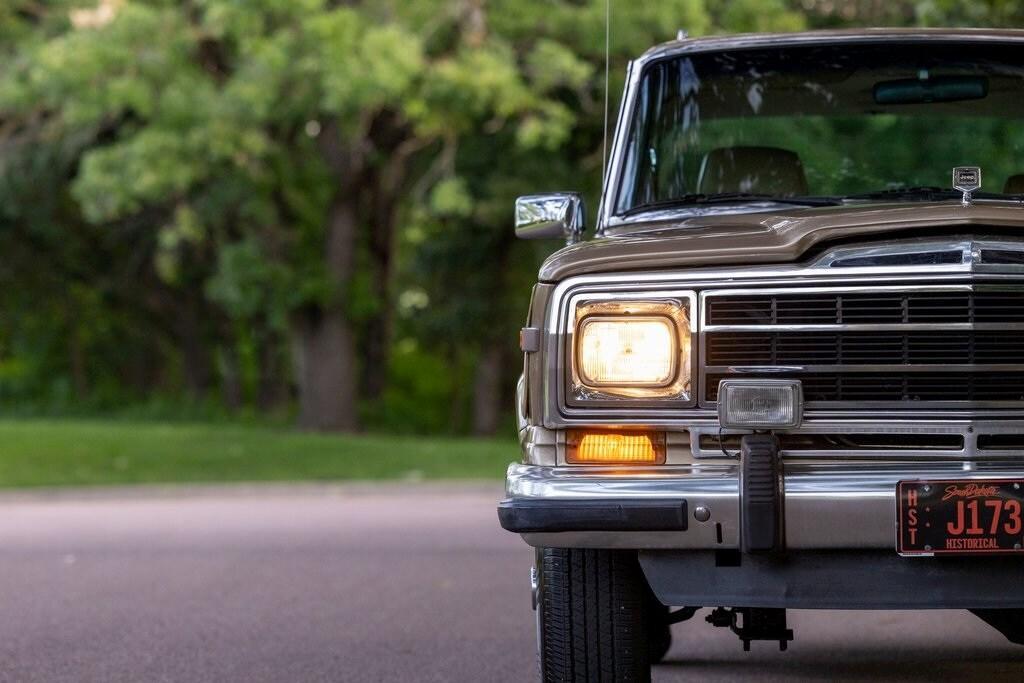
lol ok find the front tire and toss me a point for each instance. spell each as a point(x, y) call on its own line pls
point(594, 615)
point(659, 631)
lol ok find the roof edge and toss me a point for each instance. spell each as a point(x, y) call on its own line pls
point(743, 41)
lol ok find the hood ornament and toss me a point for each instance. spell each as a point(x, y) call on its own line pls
point(967, 179)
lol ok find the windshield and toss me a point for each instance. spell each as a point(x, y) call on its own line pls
point(836, 121)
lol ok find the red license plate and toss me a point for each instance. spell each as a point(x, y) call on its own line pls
point(959, 517)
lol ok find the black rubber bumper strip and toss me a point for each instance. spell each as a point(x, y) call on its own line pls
point(546, 515)
point(760, 498)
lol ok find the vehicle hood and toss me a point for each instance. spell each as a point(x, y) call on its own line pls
point(779, 236)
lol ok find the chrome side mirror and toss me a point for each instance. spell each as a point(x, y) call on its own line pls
point(550, 216)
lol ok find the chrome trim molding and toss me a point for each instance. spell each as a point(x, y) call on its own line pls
point(679, 313)
point(541, 446)
point(565, 340)
point(820, 498)
point(709, 295)
point(709, 281)
point(547, 447)
point(970, 431)
point(895, 253)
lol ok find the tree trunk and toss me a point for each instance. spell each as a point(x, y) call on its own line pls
point(377, 342)
point(231, 375)
point(487, 395)
point(76, 357)
point(271, 390)
point(490, 395)
point(197, 365)
point(326, 370)
point(326, 351)
point(392, 138)
point(457, 422)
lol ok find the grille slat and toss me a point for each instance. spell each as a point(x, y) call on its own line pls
point(856, 348)
point(915, 307)
point(911, 366)
point(909, 387)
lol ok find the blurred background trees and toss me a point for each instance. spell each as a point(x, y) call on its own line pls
point(301, 209)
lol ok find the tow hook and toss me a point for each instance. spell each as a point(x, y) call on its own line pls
point(753, 623)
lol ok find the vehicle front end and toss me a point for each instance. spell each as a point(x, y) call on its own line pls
point(788, 373)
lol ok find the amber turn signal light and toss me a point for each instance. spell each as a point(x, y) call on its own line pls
point(615, 448)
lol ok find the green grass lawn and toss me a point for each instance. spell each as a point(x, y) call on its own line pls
point(87, 453)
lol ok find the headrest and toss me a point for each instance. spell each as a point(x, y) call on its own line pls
point(755, 170)
point(1014, 184)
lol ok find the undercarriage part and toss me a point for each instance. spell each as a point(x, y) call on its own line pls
point(681, 614)
point(760, 496)
point(753, 623)
point(1009, 622)
point(834, 579)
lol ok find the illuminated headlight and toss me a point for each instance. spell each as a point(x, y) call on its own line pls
point(638, 349)
point(759, 403)
point(621, 351)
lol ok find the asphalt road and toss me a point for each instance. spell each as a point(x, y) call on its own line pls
point(342, 584)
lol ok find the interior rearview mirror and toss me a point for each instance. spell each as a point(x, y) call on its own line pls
point(550, 216)
point(934, 89)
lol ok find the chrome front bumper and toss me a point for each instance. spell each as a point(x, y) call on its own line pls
point(826, 505)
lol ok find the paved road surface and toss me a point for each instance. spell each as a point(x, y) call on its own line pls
point(340, 584)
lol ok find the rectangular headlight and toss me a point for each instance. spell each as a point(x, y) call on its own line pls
point(760, 403)
point(633, 349)
point(618, 351)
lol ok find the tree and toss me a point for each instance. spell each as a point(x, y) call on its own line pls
point(217, 201)
point(465, 243)
point(286, 132)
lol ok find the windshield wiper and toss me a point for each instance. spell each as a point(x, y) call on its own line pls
point(923, 192)
point(926, 193)
point(733, 198)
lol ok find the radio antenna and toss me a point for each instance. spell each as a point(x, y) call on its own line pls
point(607, 60)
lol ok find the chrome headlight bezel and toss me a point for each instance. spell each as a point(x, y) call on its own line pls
point(678, 307)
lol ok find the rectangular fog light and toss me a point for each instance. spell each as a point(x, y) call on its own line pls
point(760, 403)
point(615, 448)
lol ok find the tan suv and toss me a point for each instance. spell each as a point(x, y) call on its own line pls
point(787, 371)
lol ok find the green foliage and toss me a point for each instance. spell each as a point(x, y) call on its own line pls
point(980, 13)
point(51, 453)
point(245, 281)
point(1008, 13)
point(750, 16)
point(417, 399)
point(451, 197)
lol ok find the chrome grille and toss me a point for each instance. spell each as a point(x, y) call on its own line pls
point(864, 348)
point(866, 307)
point(956, 346)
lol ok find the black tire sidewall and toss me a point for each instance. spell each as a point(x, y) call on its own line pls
point(613, 595)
